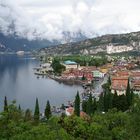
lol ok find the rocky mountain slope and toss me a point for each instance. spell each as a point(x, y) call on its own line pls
point(108, 43)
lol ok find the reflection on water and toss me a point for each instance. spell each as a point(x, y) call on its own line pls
point(18, 82)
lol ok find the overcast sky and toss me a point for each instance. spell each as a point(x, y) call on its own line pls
point(48, 19)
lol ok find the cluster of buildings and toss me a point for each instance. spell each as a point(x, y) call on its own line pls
point(120, 79)
point(120, 72)
point(86, 73)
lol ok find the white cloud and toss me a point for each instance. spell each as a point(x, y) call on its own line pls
point(49, 19)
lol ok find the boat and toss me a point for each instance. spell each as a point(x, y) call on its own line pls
point(20, 52)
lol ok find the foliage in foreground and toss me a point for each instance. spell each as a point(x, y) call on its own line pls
point(112, 125)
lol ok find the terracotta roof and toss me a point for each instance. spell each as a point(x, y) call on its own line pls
point(136, 74)
point(120, 78)
point(119, 83)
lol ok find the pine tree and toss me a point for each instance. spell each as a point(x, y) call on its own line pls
point(77, 105)
point(19, 108)
point(89, 105)
point(115, 100)
point(128, 94)
point(36, 113)
point(131, 96)
point(5, 104)
point(101, 102)
point(94, 108)
point(28, 115)
point(48, 110)
point(109, 81)
point(110, 96)
point(122, 103)
point(84, 106)
point(105, 102)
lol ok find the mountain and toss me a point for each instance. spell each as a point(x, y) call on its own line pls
point(113, 43)
point(13, 43)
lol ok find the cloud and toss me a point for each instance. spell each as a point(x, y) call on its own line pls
point(50, 19)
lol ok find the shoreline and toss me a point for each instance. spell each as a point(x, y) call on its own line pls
point(62, 80)
point(68, 81)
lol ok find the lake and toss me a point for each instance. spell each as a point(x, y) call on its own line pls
point(18, 82)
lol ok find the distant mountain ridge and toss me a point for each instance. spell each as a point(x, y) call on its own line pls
point(14, 43)
point(113, 43)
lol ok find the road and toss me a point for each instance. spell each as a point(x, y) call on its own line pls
point(98, 87)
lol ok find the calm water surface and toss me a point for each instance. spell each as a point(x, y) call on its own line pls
point(18, 82)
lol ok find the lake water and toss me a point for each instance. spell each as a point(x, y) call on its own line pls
point(18, 82)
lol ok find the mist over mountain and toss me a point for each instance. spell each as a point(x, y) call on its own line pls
point(50, 19)
point(30, 24)
point(13, 43)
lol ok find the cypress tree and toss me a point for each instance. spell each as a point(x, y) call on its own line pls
point(128, 94)
point(48, 110)
point(5, 104)
point(84, 106)
point(109, 81)
point(19, 108)
point(132, 96)
point(36, 113)
point(89, 105)
point(77, 105)
point(28, 115)
point(110, 96)
point(94, 106)
point(105, 101)
point(122, 103)
point(101, 102)
point(115, 100)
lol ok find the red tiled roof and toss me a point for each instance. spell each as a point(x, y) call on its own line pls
point(135, 74)
point(119, 83)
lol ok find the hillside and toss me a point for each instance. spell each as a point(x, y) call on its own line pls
point(108, 43)
point(12, 43)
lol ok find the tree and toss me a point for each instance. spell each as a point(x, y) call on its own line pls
point(48, 110)
point(109, 80)
point(36, 113)
point(83, 77)
point(77, 105)
point(63, 107)
point(28, 115)
point(110, 97)
point(115, 100)
point(57, 66)
point(94, 105)
point(5, 104)
point(132, 97)
point(128, 94)
point(19, 108)
point(122, 103)
point(105, 102)
point(101, 102)
point(84, 106)
point(89, 105)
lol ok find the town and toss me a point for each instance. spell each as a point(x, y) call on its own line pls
point(120, 70)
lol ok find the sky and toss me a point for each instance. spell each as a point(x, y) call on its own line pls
point(49, 19)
